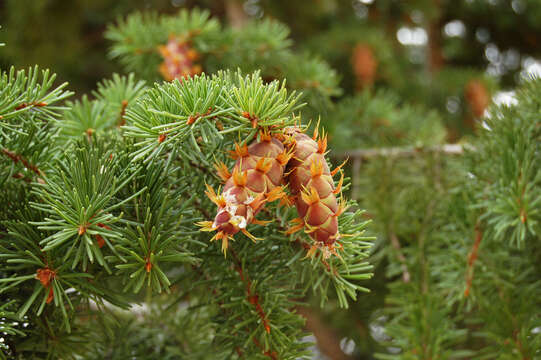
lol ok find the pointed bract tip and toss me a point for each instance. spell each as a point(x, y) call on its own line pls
point(265, 135)
point(322, 144)
point(206, 225)
point(217, 199)
point(264, 165)
point(339, 186)
point(276, 193)
point(310, 196)
point(339, 167)
point(239, 152)
point(240, 178)
point(316, 168)
point(223, 171)
point(252, 237)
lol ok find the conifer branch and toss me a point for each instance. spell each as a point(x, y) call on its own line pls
point(406, 277)
point(401, 152)
point(472, 257)
point(16, 158)
point(253, 298)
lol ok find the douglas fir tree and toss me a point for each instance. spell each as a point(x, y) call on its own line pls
point(187, 211)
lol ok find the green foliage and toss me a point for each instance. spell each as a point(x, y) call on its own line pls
point(414, 313)
point(119, 94)
point(258, 45)
point(101, 227)
point(100, 256)
point(23, 257)
point(28, 92)
point(262, 45)
point(28, 104)
point(475, 249)
point(378, 119)
point(113, 98)
point(80, 199)
point(173, 112)
point(511, 135)
point(84, 117)
point(136, 38)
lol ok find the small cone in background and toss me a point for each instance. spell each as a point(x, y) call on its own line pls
point(365, 66)
point(313, 191)
point(477, 96)
point(256, 178)
point(178, 59)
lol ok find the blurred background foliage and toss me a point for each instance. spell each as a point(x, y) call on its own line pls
point(449, 55)
point(497, 35)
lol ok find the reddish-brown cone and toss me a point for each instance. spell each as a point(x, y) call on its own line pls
point(477, 96)
point(365, 65)
point(178, 60)
point(256, 179)
point(313, 191)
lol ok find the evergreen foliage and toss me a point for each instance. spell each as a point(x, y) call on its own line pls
point(264, 46)
point(101, 256)
point(113, 211)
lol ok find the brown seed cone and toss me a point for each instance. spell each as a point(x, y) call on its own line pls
point(178, 60)
point(477, 96)
point(365, 65)
point(313, 191)
point(256, 179)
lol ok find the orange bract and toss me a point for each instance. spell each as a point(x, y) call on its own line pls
point(45, 277)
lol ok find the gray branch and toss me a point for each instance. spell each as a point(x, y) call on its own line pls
point(364, 154)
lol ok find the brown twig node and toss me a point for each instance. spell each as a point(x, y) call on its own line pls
point(253, 298)
point(194, 118)
point(45, 277)
point(122, 120)
point(35, 104)
point(16, 158)
point(253, 119)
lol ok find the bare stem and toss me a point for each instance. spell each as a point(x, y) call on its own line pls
point(396, 152)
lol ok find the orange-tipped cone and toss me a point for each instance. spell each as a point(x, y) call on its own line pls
point(312, 187)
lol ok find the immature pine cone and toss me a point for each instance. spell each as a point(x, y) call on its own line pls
point(313, 191)
point(365, 66)
point(178, 60)
point(477, 96)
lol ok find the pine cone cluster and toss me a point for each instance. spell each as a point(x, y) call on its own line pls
point(262, 172)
